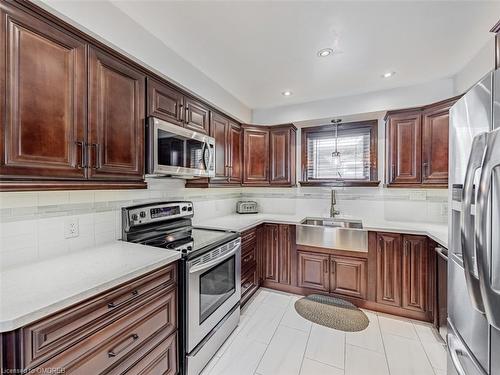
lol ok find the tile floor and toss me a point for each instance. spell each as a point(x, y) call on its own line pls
point(272, 339)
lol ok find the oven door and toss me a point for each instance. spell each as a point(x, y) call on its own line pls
point(174, 150)
point(213, 289)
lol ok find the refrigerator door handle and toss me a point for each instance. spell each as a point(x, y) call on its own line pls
point(455, 349)
point(491, 297)
point(467, 219)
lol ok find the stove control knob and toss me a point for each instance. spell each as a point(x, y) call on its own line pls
point(184, 208)
point(190, 208)
point(189, 248)
point(134, 217)
point(143, 214)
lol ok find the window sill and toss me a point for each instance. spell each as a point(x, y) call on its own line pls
point(338, 183)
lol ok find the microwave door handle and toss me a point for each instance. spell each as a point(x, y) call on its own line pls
point(210, 156)
point(203, 151)
point(491, 297)
point(467, 220)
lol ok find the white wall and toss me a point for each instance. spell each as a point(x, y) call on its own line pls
point(476, 68)
point(397, 98)
point(111, 26)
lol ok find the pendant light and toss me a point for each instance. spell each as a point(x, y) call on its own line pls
point(337, 162)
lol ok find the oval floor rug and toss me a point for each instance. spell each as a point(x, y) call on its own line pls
point(332, 312)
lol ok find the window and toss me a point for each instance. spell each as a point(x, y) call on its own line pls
point(357, 146)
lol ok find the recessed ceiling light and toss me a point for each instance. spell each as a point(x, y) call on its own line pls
point(287, 93)
point(325, 52)
point(388, 74)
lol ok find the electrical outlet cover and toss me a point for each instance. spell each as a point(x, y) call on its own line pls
point(71, 227)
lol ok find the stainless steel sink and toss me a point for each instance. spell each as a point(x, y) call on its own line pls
point(331, 222)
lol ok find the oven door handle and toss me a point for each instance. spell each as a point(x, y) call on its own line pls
point(213, 262)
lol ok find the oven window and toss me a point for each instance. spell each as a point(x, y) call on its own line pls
point(216, 286)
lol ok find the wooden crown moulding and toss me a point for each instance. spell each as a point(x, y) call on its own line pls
point(38, 12)
point(422, 108)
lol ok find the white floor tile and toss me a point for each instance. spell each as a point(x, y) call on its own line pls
point(242, 357)
point(360, 361)
point(406, 356)
point(370, 338)
point(310, 367)
point(437, 355)
point(263, 323)
point(294, 320)
point(397, 326)
point(280, 300)
point(326, 345)
point(285, 352)
point(426, 333)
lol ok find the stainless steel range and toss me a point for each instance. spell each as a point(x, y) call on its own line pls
point(209, 275)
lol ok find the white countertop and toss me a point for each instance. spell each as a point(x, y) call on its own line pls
point(35, 290)
point(242, 222)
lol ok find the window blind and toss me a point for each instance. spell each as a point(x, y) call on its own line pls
point(354, 148)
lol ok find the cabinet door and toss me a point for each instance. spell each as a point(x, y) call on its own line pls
point(164, 102)
point(389, 269)
point(285, 254)
point(404, 148)
point(235, 170)
point(116, 118)
point(256, 156)
point(314, 271)
point(44, 95)
point(435, 145)
point(219, 129)
point(280, 155)
point(271, 253)
point(415, 273)
point(348, 276)
point(197, 116)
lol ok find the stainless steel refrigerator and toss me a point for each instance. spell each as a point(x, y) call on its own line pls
point(474, 238)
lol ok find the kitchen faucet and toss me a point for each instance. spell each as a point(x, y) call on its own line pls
point(333, 211)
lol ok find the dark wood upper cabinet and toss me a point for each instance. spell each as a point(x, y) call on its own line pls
point(389, 269)
point(404, 148)
point(235, 153)
point(164, 102)
point(271, 253)
point(417, 146)
point(348, 276)
point(219, 130)
point(197, 116)
point(314, 271)
point(415, 273)
point(116, 118)
point(256, 156)
point(282, 155)
point(435, 123)
point(44, 90)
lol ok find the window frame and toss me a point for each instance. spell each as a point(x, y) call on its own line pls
point(373, 181)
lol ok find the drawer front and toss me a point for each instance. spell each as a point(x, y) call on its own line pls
point(158, 356)
point(249, 283)
point(116, 342)
point(249, 237)
point(46, 338)
point(248, 259)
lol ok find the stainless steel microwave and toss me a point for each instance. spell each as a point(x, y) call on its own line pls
point(172, 150)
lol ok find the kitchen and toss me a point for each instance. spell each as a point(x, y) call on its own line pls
point(169, 207)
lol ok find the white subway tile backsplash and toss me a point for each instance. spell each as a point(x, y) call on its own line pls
point(48, 198)
point(18, 199)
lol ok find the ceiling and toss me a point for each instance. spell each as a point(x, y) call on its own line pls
point(258, 49)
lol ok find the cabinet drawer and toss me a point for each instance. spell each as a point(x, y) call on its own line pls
point(105, 349)
point(248, 237)
point(248, 259)
point(249, 284)
point(158, 356)
point(48, 337)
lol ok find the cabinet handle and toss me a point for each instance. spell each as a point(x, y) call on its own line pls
point(405, 248)
point(97, 155)
point(425, 168)
point(112, 305)
point(325, 265)
point(131, 339)
point(393, 171)
point(332, 265)
point(381, 243)
point(82, 162)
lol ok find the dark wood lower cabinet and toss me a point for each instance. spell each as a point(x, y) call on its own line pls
point(415, 273)
point(131, 328)
point(388, 269)
point(348, 276)
point(314, 271)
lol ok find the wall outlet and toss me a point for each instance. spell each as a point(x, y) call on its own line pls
point(71, 228)
point(418, 195)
